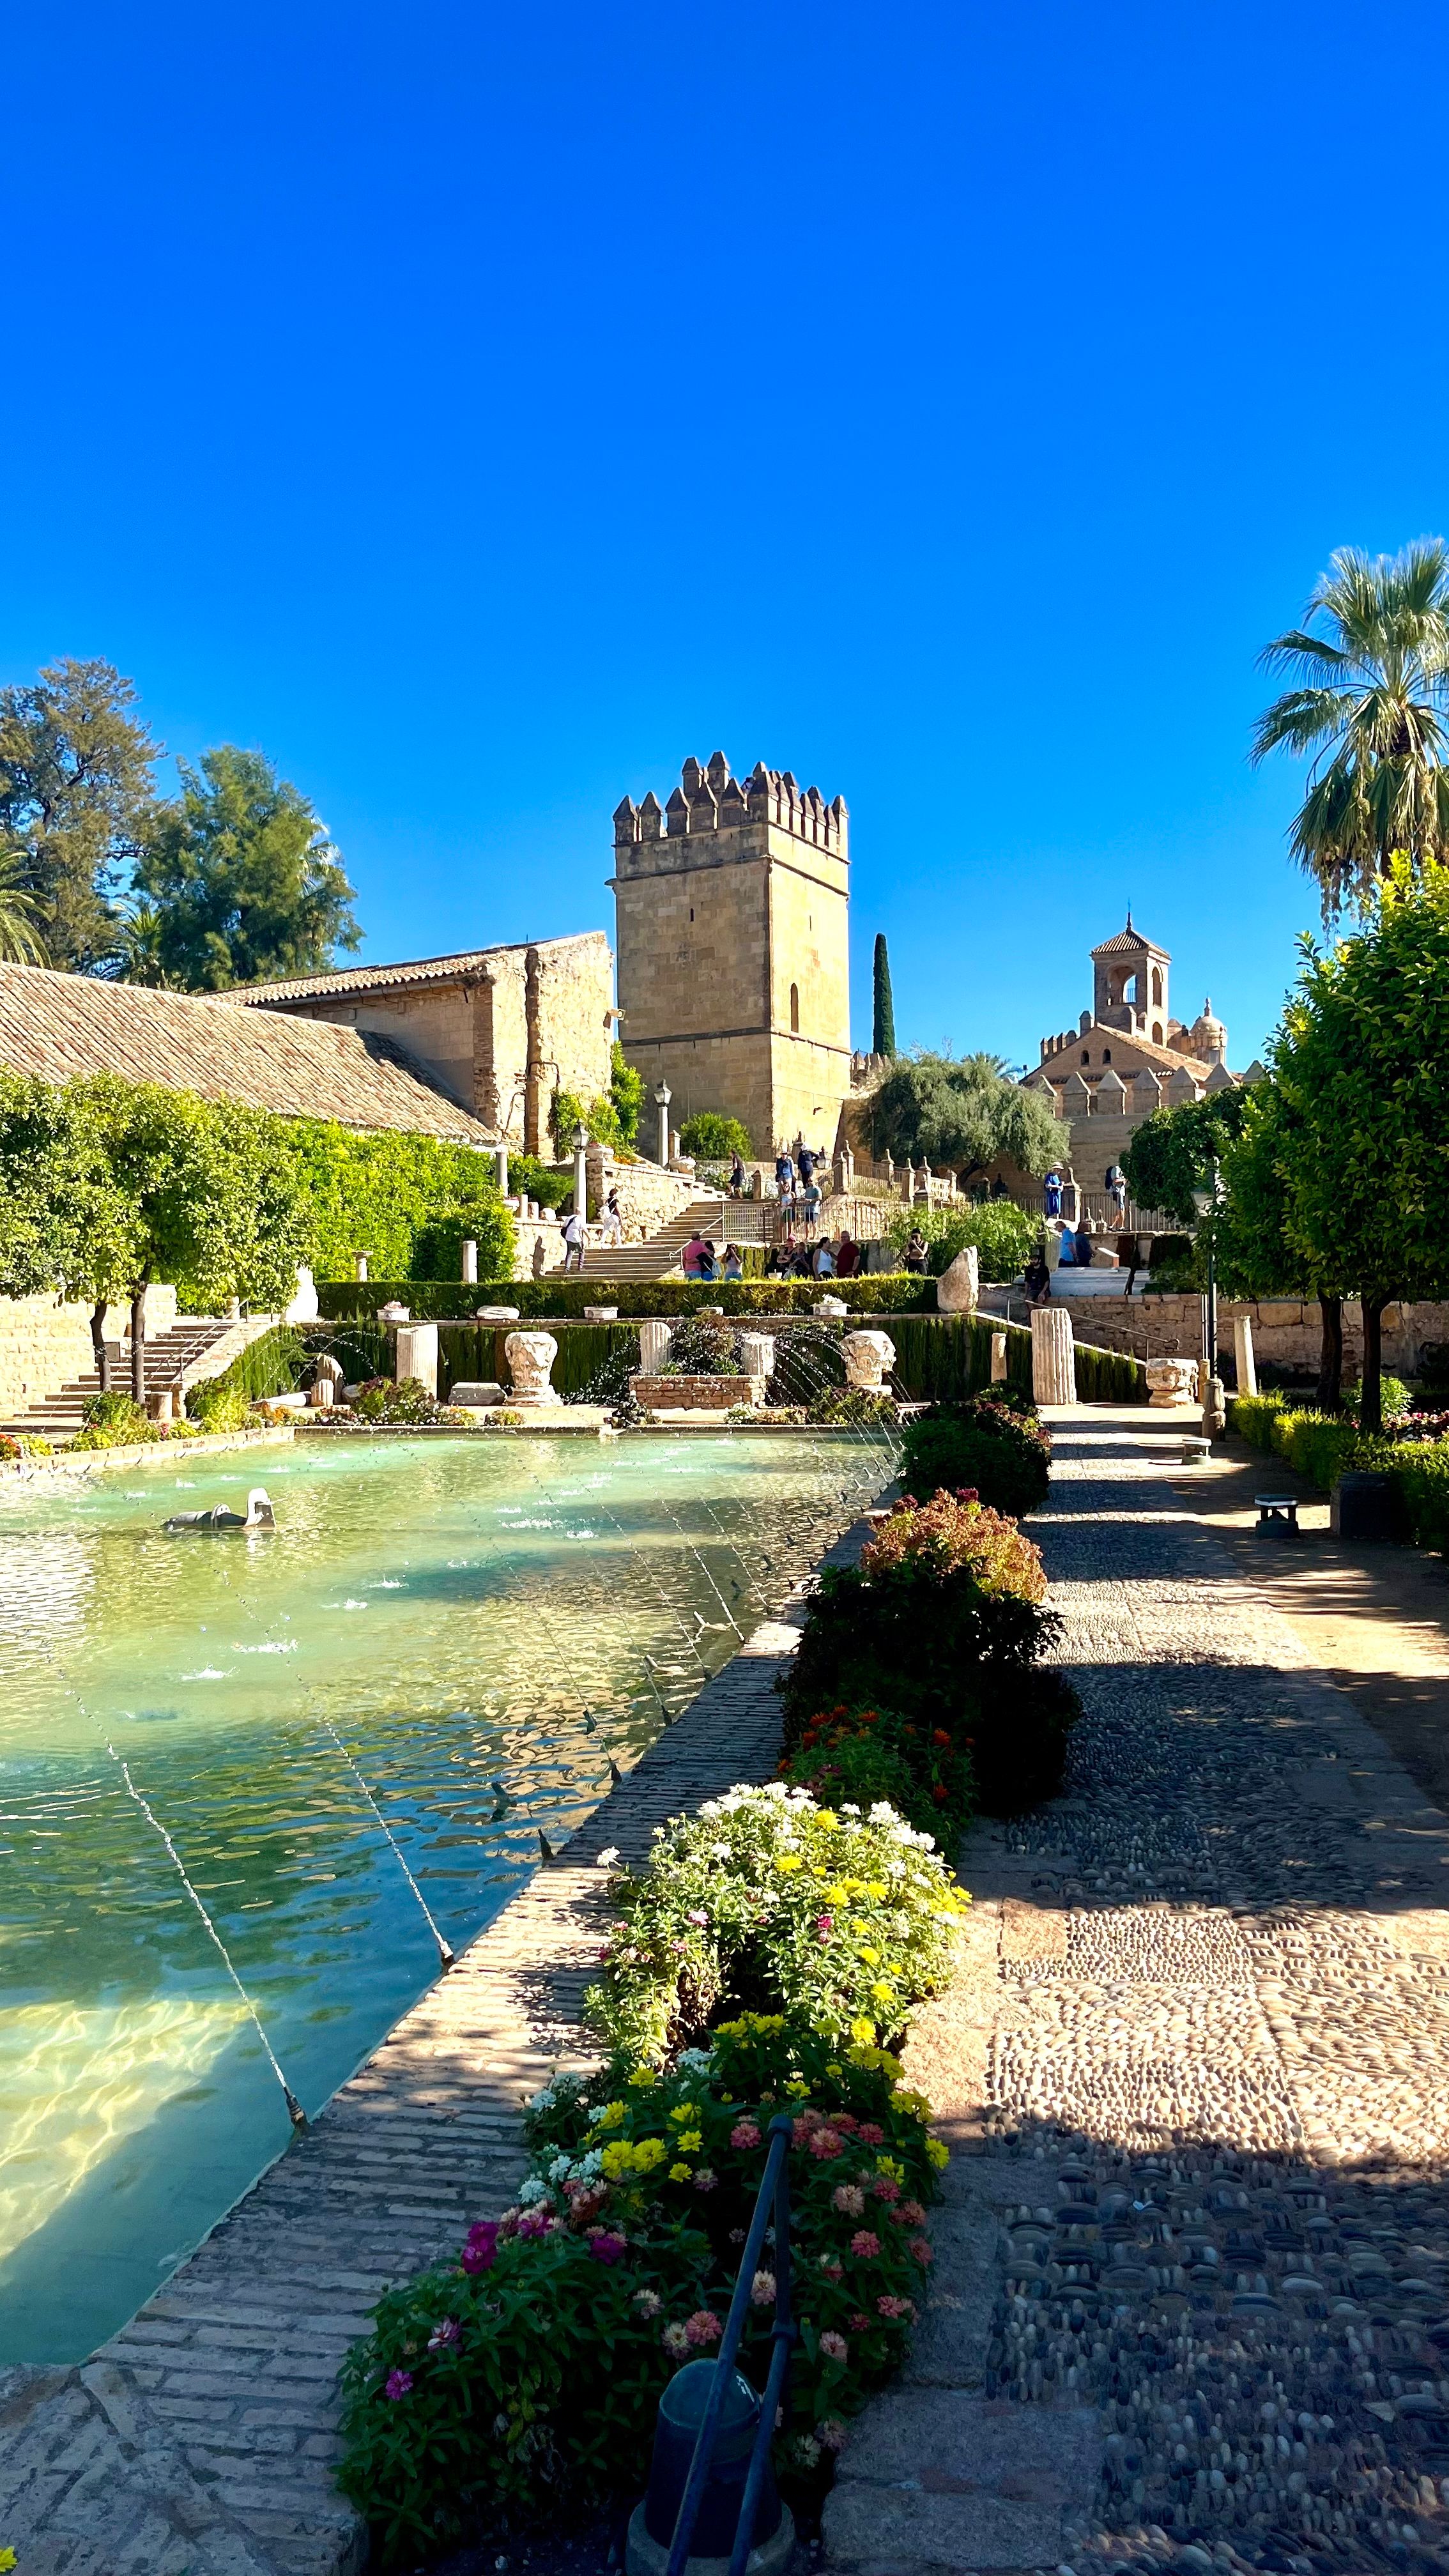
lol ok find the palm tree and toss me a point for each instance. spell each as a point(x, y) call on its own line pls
point(20, 941)
point(1371, 706)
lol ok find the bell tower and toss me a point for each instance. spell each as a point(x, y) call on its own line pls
point(1129, 986)
point(733, 911)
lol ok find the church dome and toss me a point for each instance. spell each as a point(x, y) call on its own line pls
point(1209, 1037)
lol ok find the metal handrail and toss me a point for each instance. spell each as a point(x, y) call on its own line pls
point(775, 2181)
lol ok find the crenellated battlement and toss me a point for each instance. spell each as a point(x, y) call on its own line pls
point(712, 800)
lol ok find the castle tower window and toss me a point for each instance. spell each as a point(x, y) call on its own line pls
point(1106, 1055)
point(1157, 987)
point(1086, 1055)
point(1157, 1032)
point(795, 1010)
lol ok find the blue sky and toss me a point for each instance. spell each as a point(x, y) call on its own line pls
point(480, 410)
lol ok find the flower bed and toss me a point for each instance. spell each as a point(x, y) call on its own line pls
point(1324, 1446)
point(531, 2367)
point(993, 1442)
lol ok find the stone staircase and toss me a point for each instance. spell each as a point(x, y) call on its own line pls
point(172, 1359)
point(720, 1220)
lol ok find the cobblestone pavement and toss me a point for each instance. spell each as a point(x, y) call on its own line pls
point(1191, 2302)
point(202, 2440)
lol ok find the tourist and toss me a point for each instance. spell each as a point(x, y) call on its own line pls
point(613, 1219)
point(782, 1255)
point(847, 1258)
point(1051, 1195)
point(1117, 1184)
point(575, 1235)
point(1037, 1279)
point(784, 1173)
point(914, 1257)
point(803, 1265)
point(824, 1262)
point(811, 1202)
point(692, 1255)
point(708, 1267)
point(734, 1267)
point(805, 1165)
point(738, 1178)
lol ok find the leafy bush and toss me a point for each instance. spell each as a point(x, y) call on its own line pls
point(1421, 1472)
point(558, 1298)
point(380, 1402)
point(1319, 1445)
point(870, 1754)
point(388, 1194)
point(113, 1421)
point(712, 1138)
point(942, 1622)
point(24, 1444)
point(996, 1447)
point(1002, 1233)
point(764, 1900)
point(1253, 1417)
point(853, 1408)
point(535, 2364)
point(218, 1407)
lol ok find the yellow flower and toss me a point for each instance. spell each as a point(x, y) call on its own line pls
point(826, 1817)
point(913, 2104)
point(877, 1890)
point(862, 2032)
point(644, 2076)
point(690, 2142)
point(859, 1927)
point(7, 2561)
point(835, 2069)
point(648, 2153)
point(889, 2166)
point(882, 1992)
point(797, 2084)
point(788, 1861)
point(839, 1894)
point(683, 2111)
point(939, 2152)
point(679, 2173)
point(871, 1957)
point(611, 2116)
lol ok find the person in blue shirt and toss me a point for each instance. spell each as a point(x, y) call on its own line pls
point(1051, 1191)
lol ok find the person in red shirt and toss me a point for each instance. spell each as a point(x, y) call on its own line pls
point(847, 1259)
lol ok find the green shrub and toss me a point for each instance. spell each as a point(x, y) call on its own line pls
point(1317, 1445)
point(713, 1138)
point(557, 1298)
point(870, 1754)
point(381, 1194)
point(1109, 1377)
point(533, 2366)
point(114, 1420)
point(766, 1901)
point(1002, 1233)
point(1252, 1417)
point(942, 1621)
point(1420, 1469)
point(381, 1401)
point(217, 1407)
point(999, 1450)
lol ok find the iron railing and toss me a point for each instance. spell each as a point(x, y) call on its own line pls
point(774, 2186)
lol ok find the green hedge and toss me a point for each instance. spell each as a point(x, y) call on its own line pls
point(1321, 1446)
point(441, 1300)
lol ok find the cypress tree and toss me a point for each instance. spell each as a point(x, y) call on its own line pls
point(883, 1030)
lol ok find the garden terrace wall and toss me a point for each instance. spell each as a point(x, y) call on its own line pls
point(1287, 1331)
point(44, 1343)
point(549, 1300)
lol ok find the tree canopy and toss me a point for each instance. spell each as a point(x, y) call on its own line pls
point(1369, 705)
point(240, 882)
point(1170, 1153)
point(961, 1114)
point(713, 1138)
point(76, 800)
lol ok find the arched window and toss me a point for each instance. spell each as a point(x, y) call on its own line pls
point(1157, 1033)
point(1106, 1055)
point(1157, 990)
point(794, 1010)
point(1086, 1055)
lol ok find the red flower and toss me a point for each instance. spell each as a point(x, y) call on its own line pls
point(858, 2324)
point(885, 2189)
point(865, 2244)
point(847, 2121)
point(940, 1793)
point(940, 1736)
point(871, 2135)
point(912, 2213)
point(826, 2145)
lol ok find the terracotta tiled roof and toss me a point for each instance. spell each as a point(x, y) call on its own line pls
point(346, 980)
point(57, 1026)
point(1165, 1059)
point(1129, 942)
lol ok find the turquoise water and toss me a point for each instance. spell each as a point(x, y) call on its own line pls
point(445, 1616)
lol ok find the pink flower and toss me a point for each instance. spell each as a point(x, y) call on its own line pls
point(824, 1925)
point(703, 2327)
point(834, 2347)
point(744, 2134)
point(888, 2307)
point(536, 2222)
point(606, 2247)
point(762, 2289)
point(870, 2135)
point(849, 2199)
point(696, 1915)
point(444, 2334)
point(704, 2179)
point(847, 2121)
point(865, 2244)
point(399, 2383)
point(480, 2252)
point(858, 2324)
point(831, 2434)
point(922, 2249)
point(912, 2213)
point(885, 2189)
point(827, 2144)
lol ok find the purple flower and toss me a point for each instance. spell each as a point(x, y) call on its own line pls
point(607, 2248)
point(444, 2334)
point(481, 2250)
point(399, 2383)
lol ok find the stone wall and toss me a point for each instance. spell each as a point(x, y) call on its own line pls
point(1286, 1330)
point(648, 1195)
point(43, 1345)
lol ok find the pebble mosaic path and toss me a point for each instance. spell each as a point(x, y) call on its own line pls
point(1191, 2302)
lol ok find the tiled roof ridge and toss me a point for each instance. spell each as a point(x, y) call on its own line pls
point(343, 980)
point(1163, 1055)
point(1133, 939)
point(60, 1026)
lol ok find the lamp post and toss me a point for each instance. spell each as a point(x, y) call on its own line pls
point(1207, 1202)
point(581, 1170)
point(662, 1097)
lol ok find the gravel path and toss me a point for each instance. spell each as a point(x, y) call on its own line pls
point(1193, 2278)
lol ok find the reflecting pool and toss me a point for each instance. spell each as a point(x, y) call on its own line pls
point(442, 1641)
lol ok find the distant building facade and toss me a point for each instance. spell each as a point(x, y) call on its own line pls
point(733, 911)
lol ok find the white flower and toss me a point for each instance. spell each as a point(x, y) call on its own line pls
point(543, 2101)
point(693, 2061)
point(591, 2164)
point(719, 1851)
point(895, 1869)
point(606, 1859)
point(710, 1807)
point(561, 2165)
point(883, 1813)
point(531, 2189)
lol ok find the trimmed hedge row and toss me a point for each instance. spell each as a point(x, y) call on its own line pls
point(1322, 1446)
point(445, 1300)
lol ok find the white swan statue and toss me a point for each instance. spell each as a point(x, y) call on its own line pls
point(258, 1515)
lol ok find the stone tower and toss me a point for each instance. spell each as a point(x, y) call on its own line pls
point(733, 910)
point(1128, 960)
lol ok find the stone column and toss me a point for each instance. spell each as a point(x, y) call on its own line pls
point(868, 1358)
point(359, 1260)
point(470, 1259)
point(654, 1340)
point(417, 1355)
point(757, 1353)
point(1243, 1348)
point(998, 1359)
point(500, 1160)
point(1053, 1365)
point(662, 1107)
point(530, 1357)
point(581, 1180)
